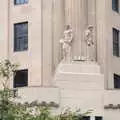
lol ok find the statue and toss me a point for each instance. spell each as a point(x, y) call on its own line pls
point(66, 43)
point(90, 43)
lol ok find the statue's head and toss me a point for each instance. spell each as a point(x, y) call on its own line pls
point(68, 27)
point(90, 27)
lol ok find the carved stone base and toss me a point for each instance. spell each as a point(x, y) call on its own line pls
point(80, 82)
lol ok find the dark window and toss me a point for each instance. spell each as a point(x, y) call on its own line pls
point(17, 2)
point(115, 5)
point(21, 78)
point(116, 81)
point(98, 118)
point(115, 42)
point(86, 118)
point(21, 36)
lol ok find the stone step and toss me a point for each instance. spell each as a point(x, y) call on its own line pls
point(81, 77)
point(80, 86)
point(68, 93)
point(30, 94)
point(81, 67)
point(79, 81)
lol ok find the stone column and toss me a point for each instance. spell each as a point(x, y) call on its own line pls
point(92, 21)
point(53, 22)
point(58, 23)
point(76, 12)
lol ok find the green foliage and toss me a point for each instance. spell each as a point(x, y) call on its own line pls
point(28, 111)
point(68, 114)
point(7, 70)
point(14, 111)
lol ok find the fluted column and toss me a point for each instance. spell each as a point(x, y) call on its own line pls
point(92, 21)
point(76, 12)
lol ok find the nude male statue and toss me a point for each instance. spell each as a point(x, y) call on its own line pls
point(66, 43)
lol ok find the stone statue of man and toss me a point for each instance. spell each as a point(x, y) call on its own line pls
point(66, 43)
point(90, 43)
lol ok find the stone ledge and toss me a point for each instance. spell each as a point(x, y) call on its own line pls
point(30, 94)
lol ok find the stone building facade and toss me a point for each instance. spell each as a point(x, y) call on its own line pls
point(85, 84)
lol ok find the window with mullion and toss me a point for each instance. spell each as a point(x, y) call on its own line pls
point(17, 2)
point(98, 118)
point(86, 118)
point(115, 5)
point(115, 42)
point(116, 81)
point(21, 78)
point(21, 36)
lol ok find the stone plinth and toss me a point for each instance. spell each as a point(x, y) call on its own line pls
point(79, 75)
point(79, 67)
point(30, 94)
point(81, 85)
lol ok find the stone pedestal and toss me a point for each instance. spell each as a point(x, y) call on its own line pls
point(81, 75)
point(81, 85)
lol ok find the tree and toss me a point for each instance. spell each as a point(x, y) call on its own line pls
point(34, 111)
point(7, 70)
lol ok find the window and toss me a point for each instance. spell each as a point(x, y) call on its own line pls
point(18, 2)
point(115, 5)
point(21, 78)
point(116, 81)
point(86, 118)
point(21, 36)
point(98, 118)
point(115, 42)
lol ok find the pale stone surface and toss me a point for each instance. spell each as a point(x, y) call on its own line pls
point(4, 29)
point(111, 97)
point(52, 30)
point(81, 83)
point(83, 79)
point(79, 67)
point(40, 94)
point(79, 17)
point(46, 26)
point(46, 23)
point(76, 16)
point(21, 13)
point(85, 100)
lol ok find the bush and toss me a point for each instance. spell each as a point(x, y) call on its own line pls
point(28, 111)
